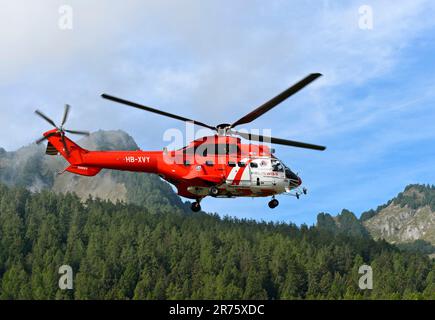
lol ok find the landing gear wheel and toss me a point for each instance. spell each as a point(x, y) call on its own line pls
point(304, 191)
point(273, 203)
point(195, 207)
point(214, 191)
point(297, 195)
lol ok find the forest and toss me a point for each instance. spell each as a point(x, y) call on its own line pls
point(127, 251)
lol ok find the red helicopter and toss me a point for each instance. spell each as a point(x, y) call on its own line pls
point(218, 166)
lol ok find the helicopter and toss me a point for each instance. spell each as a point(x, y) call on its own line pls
point(219, 165)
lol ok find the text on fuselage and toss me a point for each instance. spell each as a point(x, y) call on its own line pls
point(139, 159)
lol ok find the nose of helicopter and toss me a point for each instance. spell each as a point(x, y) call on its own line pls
point(294, 180)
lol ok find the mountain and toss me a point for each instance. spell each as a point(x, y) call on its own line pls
point(29, 167)
point(408, 217)
point(407, 220)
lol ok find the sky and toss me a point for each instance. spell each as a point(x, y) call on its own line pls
point(215, 61)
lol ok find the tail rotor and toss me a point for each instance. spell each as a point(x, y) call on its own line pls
point(60, 128)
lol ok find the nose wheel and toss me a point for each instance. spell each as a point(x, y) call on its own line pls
point(273, 203)
point(195, 206)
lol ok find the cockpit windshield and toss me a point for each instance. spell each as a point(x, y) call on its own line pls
point(277, 166)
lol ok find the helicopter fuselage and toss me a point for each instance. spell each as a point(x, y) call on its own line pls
point(218, 166)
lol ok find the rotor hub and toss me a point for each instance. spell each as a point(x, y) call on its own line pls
point(223, 129)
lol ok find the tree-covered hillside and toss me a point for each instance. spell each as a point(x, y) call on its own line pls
point(124, 251)
point(345, 223)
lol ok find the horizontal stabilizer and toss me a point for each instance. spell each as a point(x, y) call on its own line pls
point(84, 171)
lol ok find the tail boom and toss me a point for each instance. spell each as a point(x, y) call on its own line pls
point(90, 163)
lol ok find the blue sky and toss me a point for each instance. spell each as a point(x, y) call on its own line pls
point(217, 60)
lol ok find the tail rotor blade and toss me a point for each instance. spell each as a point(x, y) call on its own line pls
point(60, 130)
point(83, 133)
point(43, 116)
point(44, 138)
point(64, 144)
point(65, 114)
point(41, 140)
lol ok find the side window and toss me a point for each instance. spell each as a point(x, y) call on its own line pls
point(253, 165)
point(231, 164)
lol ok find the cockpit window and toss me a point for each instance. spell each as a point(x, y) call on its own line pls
point(277, 166)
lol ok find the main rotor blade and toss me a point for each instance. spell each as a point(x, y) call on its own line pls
point(43, 116)
point(162, 113)
point(62, 138)
point(260, 138)
point(85, 133)
point(65, 114)
point(276, 100)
